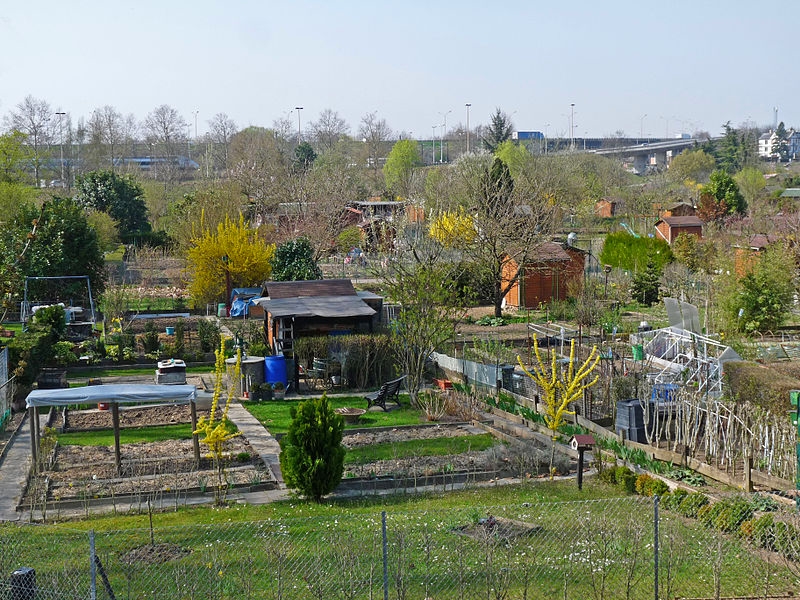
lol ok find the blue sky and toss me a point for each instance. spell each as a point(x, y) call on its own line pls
point(653, 67)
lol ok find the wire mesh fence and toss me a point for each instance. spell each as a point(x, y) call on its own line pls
point(629, 548)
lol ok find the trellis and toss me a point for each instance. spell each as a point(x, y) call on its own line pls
point(726, 433)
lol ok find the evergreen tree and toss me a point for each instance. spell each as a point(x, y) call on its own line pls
point(645, 285)
point(499, 130)
point(780, 148)
point(312, 455)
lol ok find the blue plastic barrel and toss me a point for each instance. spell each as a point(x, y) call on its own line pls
point(275, 369)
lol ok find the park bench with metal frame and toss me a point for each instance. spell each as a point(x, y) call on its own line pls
point(389, 392)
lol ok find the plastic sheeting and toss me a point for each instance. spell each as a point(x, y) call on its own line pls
point(118, 394)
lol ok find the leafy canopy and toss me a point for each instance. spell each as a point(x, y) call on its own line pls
point(721, 197)
point(294, 261)
point(399, 166)
point(119, 196)
point(249, 259)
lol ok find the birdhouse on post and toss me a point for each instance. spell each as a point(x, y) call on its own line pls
point(581, 442)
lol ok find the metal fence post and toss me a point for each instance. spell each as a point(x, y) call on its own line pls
point(92, 567)
point(656, 500)
point(385, 557)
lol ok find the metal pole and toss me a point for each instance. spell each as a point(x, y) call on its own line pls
point(468, 105)
point(386, 557)
point(655, 545)
point(572, 126)
point(92, 567)
point(298, 109)
point(61, 134)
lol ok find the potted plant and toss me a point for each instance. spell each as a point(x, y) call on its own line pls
point(278, 390)
point(261, 391)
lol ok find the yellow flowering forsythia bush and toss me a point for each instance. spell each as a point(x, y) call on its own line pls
point(561, 386)
point(249, 259)
point(216, 433)
point(453, 229)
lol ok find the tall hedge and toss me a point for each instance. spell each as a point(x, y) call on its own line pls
point(623, 251)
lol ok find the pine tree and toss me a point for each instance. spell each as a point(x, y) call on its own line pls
point(645, 285)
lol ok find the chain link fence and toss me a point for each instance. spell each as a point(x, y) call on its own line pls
point(632, 547)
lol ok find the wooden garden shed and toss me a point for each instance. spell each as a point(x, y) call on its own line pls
point(547, 276)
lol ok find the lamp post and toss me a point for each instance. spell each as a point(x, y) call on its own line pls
point(433, 141)
point(225, 263)
point(468, 105)
point(298, 109)
point(545, 137)
point(606, 270)
point(641, 126)
point(195, 124)
point(444, 132)
point(572, 126)
point(61, 143)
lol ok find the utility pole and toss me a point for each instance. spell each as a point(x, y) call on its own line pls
point(61, 134)
point(468, 105)
point(298, 109)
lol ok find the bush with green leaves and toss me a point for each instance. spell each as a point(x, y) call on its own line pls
point(623, 251)
point(312, 455)
point(647, 485)
point(691, 504)
point(208, 333)
point(294, 261)
point(150, 338)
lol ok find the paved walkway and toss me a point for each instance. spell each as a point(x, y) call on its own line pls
point(14, 468)
point(259, 438)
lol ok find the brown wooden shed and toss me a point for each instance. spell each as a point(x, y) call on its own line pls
point(669, 228)
point(545, 277)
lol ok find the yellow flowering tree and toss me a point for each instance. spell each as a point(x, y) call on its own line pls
point(217, 432)
point(235, 251)
point(560, 386)
point(453, 229)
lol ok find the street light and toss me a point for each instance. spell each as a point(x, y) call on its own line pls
point(298, 109)
point(444, 131)
point(545, 137)
point(195, 124)
point(641, 126)
point(468, 105)
point(572, 126)
point(61, 133)
point(433, 141)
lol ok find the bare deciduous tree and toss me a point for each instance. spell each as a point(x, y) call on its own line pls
point(373, 131)
point(221, 130)
point(328, 129)
point(32, 117)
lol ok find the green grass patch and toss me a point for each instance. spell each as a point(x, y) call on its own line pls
point(105, 437)
point(414, 448)
point(275, 414)
point(132, 371)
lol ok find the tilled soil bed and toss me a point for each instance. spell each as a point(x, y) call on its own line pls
point(87, 420)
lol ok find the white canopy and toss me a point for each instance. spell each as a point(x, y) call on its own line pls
point(117, 394)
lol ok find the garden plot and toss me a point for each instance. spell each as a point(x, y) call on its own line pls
point(519, 459)
point(149, 468)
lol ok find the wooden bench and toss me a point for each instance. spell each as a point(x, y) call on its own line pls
point(389, 391)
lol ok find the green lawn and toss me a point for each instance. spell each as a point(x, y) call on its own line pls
point(275, 414)
point(415, 448)
point(126, 436)
point(128, 372)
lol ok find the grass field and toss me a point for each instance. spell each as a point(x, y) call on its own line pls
point(546, 540)
point(275, 415)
